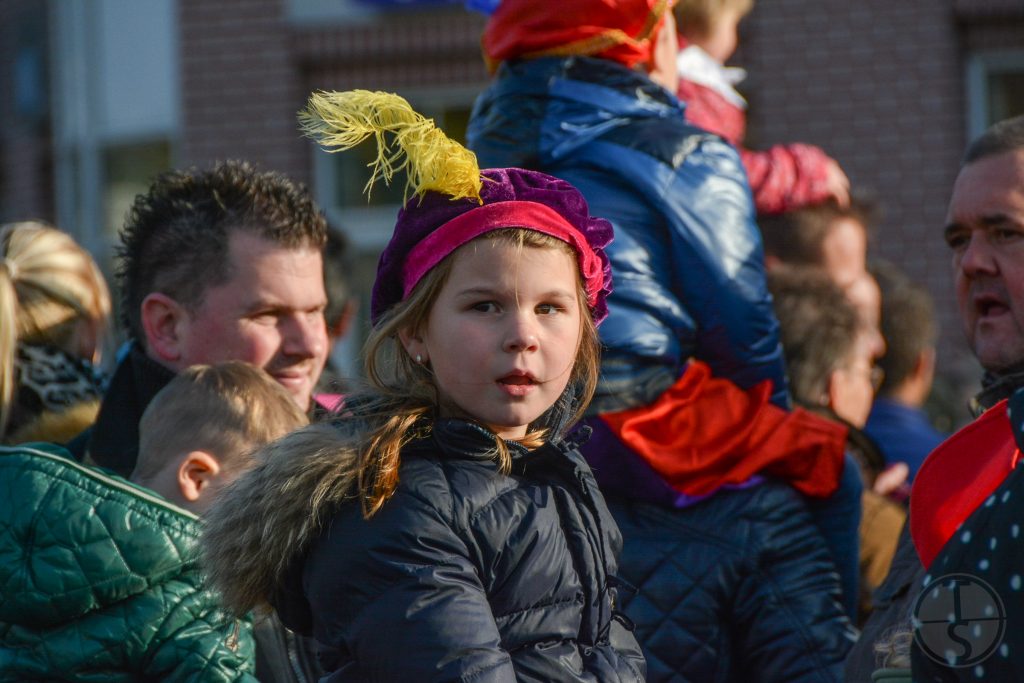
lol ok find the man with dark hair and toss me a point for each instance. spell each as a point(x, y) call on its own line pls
point(897, 423)
point(958, 521)
point(820, 329)
point(826, 235)
point(215, 265)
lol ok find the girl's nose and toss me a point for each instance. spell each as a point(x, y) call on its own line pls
point(521, 338)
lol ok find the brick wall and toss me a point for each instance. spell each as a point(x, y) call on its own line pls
point(239, 85)
point(412, 50)
point(880, 86)
point(26, 174)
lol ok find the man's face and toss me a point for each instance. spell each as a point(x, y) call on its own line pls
point(269, 313)
point(985, 230)
point(844, 252)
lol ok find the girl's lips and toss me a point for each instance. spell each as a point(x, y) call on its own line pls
point(519, 379)
point(517, 384)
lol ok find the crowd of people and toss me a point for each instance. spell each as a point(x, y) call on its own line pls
point(635, 403)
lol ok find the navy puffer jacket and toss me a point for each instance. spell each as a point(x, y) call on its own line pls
point(735, 588)
point(468, 574)
point(687, 255)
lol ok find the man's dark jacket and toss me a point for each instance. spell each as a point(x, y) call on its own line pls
point(113, 441)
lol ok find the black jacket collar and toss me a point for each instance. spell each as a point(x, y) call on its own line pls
point(114, 439)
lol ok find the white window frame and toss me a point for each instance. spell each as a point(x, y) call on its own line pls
point(979, 68)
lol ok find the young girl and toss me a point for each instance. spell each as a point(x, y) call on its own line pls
point(440, 528)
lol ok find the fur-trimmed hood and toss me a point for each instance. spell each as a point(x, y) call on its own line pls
point(271, 513)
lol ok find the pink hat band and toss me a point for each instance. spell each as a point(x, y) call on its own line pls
point(489, 217)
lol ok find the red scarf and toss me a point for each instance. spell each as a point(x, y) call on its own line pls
point(705, 432)
point(957, 477)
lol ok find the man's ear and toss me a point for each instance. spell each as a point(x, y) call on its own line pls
point(924, 366)
point(832, 390)
point(162, 321)
point(196, 473)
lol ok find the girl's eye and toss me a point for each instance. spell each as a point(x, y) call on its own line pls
point(548, 309)
point(485, 307)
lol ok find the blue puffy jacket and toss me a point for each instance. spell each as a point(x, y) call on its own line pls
point(687, 256)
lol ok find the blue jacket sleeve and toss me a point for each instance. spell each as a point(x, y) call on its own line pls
point(720, 271)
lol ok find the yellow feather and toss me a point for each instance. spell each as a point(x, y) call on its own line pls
point(405, 139)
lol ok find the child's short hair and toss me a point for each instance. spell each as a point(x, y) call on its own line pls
point(227, 409)
point(697, 17)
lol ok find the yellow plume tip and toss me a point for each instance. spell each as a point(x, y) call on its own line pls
point(338, 121)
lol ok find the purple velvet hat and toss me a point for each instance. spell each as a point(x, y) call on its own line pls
point(431, 228)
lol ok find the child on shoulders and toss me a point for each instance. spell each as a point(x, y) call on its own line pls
point(783, 177)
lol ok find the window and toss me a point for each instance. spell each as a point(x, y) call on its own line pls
point(995, 89)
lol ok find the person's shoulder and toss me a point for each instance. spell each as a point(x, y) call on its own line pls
point(456, 487)
point(45, 479)
point(772, 511)
point(65, 522)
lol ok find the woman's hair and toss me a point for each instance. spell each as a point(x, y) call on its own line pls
point(401, 392)
point(48, 285)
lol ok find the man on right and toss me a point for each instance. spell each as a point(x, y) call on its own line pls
point(961, 506)
point(965, 504)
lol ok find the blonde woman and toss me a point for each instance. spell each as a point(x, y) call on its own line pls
point(54, 318)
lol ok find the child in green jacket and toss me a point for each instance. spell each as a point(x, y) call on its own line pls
point(99, 578)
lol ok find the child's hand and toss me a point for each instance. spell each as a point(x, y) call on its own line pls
point(837, 184)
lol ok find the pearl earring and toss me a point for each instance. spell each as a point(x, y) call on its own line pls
point(419, 359)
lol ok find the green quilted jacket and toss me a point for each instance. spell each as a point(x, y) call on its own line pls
point(99, 581)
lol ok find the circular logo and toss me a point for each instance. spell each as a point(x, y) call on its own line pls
point(959, 620)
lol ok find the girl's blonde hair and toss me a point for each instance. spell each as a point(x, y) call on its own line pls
point(402, 392)
point(48, 285)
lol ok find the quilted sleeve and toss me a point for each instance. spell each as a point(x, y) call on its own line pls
point(198, 642)
point(786, 177)
point(791, 624)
